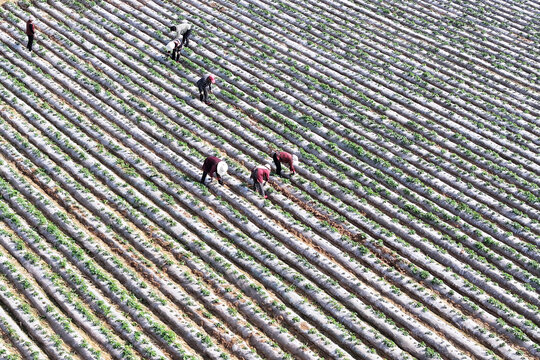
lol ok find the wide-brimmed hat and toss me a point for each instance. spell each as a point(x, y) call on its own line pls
point(222, 168)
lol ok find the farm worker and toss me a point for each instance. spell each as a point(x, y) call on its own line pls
point(205, 85)
point(212, 165)
point(175, 47)
point(183, 30)
point(30, 31)
point(285, 158)
point(260, 175)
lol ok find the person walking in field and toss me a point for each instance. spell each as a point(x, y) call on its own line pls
point(212, 165)
point(30, 31)
point(205, 85)
point(260, 175)
point(183, 30)
point(284, 158)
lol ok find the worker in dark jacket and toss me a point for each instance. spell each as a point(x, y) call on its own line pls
point(30, 31)
point(284, 158)
point(205, 85)
point(212, 165)
point(260, 175)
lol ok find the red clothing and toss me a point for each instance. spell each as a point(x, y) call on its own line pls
point(260, 174)
point(30, 28)
point(210, 165)
point(286, 158)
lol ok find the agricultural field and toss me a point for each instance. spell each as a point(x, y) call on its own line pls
point(410, 230)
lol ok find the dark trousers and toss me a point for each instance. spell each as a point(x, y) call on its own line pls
point(176, 52)
point(257, 186)
point(278, 164)
point(185, 38)
point(203, 93)
point(204, 176)
point(30, 42)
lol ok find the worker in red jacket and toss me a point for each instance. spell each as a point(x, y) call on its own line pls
point(284, 158)
point(212, 165)
point(30, 31)
point(260, 175)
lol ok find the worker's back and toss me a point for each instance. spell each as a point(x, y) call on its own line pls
point(182, 28)
point(171, 45)
point(205, 81)
point(201, 82)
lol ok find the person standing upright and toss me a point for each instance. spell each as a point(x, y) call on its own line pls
point(30, 31)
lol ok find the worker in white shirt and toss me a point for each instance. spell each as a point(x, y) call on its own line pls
point(183, 30)
point(174, 47)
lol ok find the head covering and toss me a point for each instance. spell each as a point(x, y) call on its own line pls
point(295, 159)
point(268, 166)
point(170, 45)
point(222, 168)
point(212, 79)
